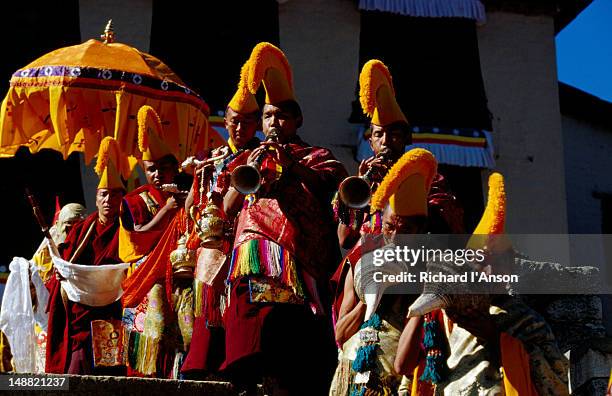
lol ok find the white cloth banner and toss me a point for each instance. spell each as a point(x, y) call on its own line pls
point(93, 285)
point(17, 316)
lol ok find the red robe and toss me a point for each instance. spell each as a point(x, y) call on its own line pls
point(137, 207)
point(207, 349)
point(69, 326)
point(140, 207)
point(299, 219)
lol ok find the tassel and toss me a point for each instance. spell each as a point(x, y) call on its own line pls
point(366, 358)
point(366, 354)
point(374, 322)
point(275, 259)
point(199, 303)
point(212, 307)
point(254, 260)
point(267, 258)
point(430, 340)
point(358, 390)
point(434, 367)
point(435, 362)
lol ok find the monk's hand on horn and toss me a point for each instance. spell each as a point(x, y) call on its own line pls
point(279, 153)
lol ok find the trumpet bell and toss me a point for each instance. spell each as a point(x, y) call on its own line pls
point(355, 192)
point(246, 179)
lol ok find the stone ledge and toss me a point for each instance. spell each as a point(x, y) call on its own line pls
point(87, 385)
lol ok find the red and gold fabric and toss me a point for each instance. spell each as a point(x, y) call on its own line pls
point(207, 350)
point(139, 207)
point(297, 223)
point(295, 217)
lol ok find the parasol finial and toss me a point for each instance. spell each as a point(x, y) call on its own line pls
point(109, 34)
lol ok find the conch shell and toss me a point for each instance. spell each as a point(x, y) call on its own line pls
point(369, 291)
point(444, 295)
point(488, 234)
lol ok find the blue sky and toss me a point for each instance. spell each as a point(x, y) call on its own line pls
point(584, 50)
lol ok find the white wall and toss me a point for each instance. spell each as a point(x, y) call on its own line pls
point(132, 26)
point(131, 20)
point(588, 157)
point(321, 41)
point(517, 55)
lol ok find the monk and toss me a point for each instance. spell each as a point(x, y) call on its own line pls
point(94, 241)
point(242, 117)
point(389, 134)
point(496, 344)
point(402, 199)
point(148, 208)
point(152, 221)
point(284, 248)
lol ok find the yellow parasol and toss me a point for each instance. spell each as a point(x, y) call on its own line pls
point(70, 99)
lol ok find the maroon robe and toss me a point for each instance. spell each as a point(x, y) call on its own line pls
point(137, 209)
point(296, 217)
point(69, 328)
point(262, 338)
point(207, 348)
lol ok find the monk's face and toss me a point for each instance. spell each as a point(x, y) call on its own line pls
point(161, 171)
point(108, 202)
point(241, 127)
point(393, 138)
point(282, 119)
point(393, 224)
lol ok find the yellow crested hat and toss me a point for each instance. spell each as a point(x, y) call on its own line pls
point(112, 165)
point(406, 185)
point(244, 101)
point(377, 96)
point(150, 135)
point(269, 65)
point(493, 219)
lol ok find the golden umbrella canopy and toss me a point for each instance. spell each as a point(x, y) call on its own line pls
point(70, 99)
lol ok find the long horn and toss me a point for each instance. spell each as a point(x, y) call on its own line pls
point(247, 178)
point(193, 162)
point(427, 303)
point(355, 192)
